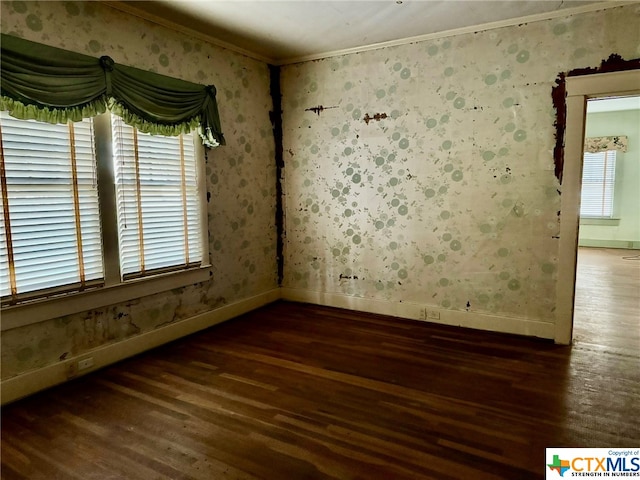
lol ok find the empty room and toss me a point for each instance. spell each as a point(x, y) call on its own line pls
point(333, 239)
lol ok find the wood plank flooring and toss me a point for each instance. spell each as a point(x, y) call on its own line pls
point(607, 303)
point(296, 391)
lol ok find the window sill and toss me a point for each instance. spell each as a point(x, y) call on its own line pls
point(46, 309)
point(609, 222)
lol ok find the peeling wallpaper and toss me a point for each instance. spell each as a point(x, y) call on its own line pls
point(240, 175)
point(424, 173)
point(449, 200)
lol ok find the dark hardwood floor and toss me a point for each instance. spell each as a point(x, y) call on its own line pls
point(296, 391)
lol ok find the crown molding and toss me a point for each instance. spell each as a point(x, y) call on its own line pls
point(123, 7)
point(593, 7)
point(565, 12)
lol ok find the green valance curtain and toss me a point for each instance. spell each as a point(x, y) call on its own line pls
point(49, 84)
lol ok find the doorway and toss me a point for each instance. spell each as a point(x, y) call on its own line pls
point(579, 90)
point(607, 296)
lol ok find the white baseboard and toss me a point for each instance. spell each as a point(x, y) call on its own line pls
point(33, 381)
point(415, 311)
point(625, 244)
point(36, 380)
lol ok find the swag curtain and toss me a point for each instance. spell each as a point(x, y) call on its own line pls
point(49, 84)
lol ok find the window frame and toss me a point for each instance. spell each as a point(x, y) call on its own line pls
point(114, 290)
point(601, 219)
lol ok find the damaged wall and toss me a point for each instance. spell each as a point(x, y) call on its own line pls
point(445, 196)
point(432, 183)
point(240, 175)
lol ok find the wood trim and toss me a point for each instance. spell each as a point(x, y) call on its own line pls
point(604, 84)
point(620, 244)
point(578, 90)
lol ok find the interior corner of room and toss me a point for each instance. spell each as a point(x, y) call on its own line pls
point(417, 179)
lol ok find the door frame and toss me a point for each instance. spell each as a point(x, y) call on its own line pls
point(578, 90)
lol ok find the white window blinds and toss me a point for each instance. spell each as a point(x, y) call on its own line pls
point(598, 181)
point(157, 201)
point(50, 227)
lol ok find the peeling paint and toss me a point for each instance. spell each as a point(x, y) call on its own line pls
point(377, 117)
point(319, 109)
point(455, 199)
point(348, 277)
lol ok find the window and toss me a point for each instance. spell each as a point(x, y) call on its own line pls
point(50, 228)
point(598, 181)
point(95, 203)
point(157, 200)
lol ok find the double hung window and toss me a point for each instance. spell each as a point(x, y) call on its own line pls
point(96, 203)
point(99, 211)
point(598, 182)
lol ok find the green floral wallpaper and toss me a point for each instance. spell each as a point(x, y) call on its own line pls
point(240, 175)
point(445, 196)
point(448, 198)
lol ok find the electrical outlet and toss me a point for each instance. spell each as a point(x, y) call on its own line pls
point(86, 363)
point(433, 314)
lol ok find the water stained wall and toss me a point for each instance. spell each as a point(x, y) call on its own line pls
point(433, 180)
point(240, 175)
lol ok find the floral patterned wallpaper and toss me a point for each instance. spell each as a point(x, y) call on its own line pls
point(424, 173)
point(240, 175)
point(447, 198)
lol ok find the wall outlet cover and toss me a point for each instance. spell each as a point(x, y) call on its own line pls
point(85, 363)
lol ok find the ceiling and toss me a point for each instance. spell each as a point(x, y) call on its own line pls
point(616, 104)
point(282, 32)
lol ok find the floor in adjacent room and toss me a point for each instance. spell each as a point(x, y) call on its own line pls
point(607, 303)
point(295, 391)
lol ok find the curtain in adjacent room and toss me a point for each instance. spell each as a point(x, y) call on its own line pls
point(602, 144)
